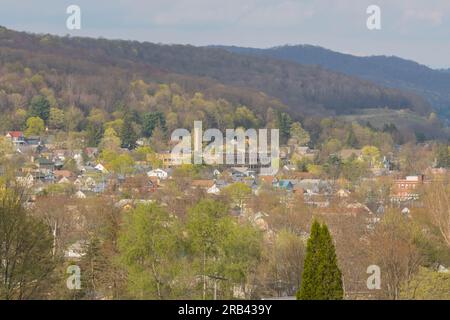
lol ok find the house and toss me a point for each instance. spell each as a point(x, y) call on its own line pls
point(61, 154)
point(124, 204)
point(406, 211)
point(437, 171)
point(315, 186)
point(289, 167)
point(169, 160)
point(34, 141)
point(285, 185)
point(76, 250)
point(62, 174)
point(78, 183)
point(357, 208)
point(16, 137)
point(203, 184)
point(158, 173)
point(101, 168)
point(80, 195)
point(78, 159)
point(213, 190)
point(91, 152)
point(154, 182)
point(64, 180)
point(302, 150)
point(305, 153)
point(443, 269)
point(59, 164)
point(99, 187)
point(45, 164)
point(268, 180)
point(380, 210)
point(129, 204)
point(43, 176)
point(89, 183)
point(241, 172)
point(407, 189)
point(343, 193)
point(89, 170)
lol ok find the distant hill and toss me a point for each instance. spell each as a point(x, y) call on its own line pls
point(306, 90)
point(394, 72)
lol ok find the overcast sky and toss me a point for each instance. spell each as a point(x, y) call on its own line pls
point(413, 29)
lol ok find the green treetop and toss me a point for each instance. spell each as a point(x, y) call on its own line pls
point(321, 279)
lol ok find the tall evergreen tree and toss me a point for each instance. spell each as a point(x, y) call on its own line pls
point(442, 156)
point(151, 121)
point(128, 135)
point(351, 139)
point(40, 107)
point(284, 122)
point(321, 279)
point(309, 287)
point(331, 276)
point(94, 134)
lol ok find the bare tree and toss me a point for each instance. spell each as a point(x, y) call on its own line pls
point(437, 205)
point(393, 248)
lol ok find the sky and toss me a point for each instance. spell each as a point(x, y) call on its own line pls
point(413, 29)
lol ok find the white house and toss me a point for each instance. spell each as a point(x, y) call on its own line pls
point(101, 168)
point(64, 180)
point(89, 183)
point(158, 173)
point(78, 159)
point(406, 211)
point(76, 250)
point(213, 190)
point(80, 195)
point(16, 137)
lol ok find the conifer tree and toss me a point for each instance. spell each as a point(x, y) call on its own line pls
point(128, 135)
point(40, 107)
point(309, 286)
point(351, 139)
point(321, 279)
point(330, 274)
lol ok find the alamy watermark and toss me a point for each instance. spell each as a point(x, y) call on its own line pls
point(73, 22)
point(374, 280)
point(236, 147)
point(374, 19)
point(74, 280)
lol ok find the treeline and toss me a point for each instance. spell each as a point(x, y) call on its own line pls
point(305, 89)
point(391, 72)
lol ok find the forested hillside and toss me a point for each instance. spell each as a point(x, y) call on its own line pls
point(239, 78)
point(394, 72)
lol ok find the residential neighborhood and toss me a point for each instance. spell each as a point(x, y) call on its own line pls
point(276, 152)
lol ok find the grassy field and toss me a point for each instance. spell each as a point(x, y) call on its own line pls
point(404, 120)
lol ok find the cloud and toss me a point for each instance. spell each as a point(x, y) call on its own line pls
point(434, 17)
point(409, 27)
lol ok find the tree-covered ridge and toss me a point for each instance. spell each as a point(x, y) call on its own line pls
point(305, 89)
point(387, 71)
